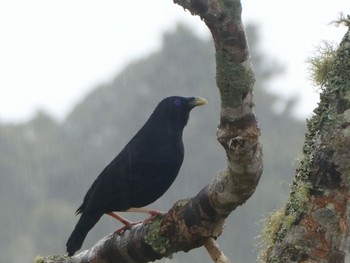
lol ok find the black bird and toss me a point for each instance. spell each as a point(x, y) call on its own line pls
point(141, 172)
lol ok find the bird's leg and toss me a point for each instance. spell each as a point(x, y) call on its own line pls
point(145, 211)
point(127, 224)
point(119, 218)
point(153, 213)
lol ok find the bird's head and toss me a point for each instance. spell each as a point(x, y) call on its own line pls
point(176, 109)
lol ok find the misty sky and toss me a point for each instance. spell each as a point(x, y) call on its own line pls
point(52, 52)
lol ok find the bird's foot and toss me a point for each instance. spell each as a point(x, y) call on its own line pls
point(126, 226)
point(145, 211)
point(154, 214)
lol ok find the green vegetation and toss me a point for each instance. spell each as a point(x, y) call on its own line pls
point(159, 244)
point(230, 80)
point(321, 63)
point(46, 167)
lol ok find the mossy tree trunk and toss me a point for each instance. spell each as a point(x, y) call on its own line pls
point(314, 226)
point(199, 220)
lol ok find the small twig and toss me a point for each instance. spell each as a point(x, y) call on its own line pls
point(215, 252)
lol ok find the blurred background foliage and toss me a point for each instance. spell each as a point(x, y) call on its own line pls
point(46, 166)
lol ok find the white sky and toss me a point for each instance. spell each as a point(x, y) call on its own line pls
point(52, 52)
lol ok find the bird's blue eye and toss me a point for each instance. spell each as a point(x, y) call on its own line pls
point(177, 102)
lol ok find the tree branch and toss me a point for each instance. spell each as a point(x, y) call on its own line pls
point(199, 220)
point(215, 252)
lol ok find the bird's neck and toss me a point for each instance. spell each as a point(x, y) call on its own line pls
point(167, 128)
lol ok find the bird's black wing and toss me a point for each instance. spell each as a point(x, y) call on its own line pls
point(155, 166)
point(138, 176)
point(109, 185)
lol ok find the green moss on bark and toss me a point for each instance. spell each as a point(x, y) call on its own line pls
point(160, 244)
point(234, 8)
point(235, 80)
point(49, 259)
point(276, 222)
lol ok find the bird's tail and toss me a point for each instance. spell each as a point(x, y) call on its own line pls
point(84, 225)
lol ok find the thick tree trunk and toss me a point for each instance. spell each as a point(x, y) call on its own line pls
point(199, 220)
point(314, 226)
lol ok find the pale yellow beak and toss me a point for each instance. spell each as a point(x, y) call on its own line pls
point(198, 101)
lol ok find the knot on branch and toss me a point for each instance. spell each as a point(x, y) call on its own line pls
point(238, 136)
point(235, 144)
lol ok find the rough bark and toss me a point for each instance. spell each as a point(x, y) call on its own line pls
point(314, 226)
point(199, 220)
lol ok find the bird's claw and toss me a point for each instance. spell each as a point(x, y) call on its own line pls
point(127, 226)
point(154, 214)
